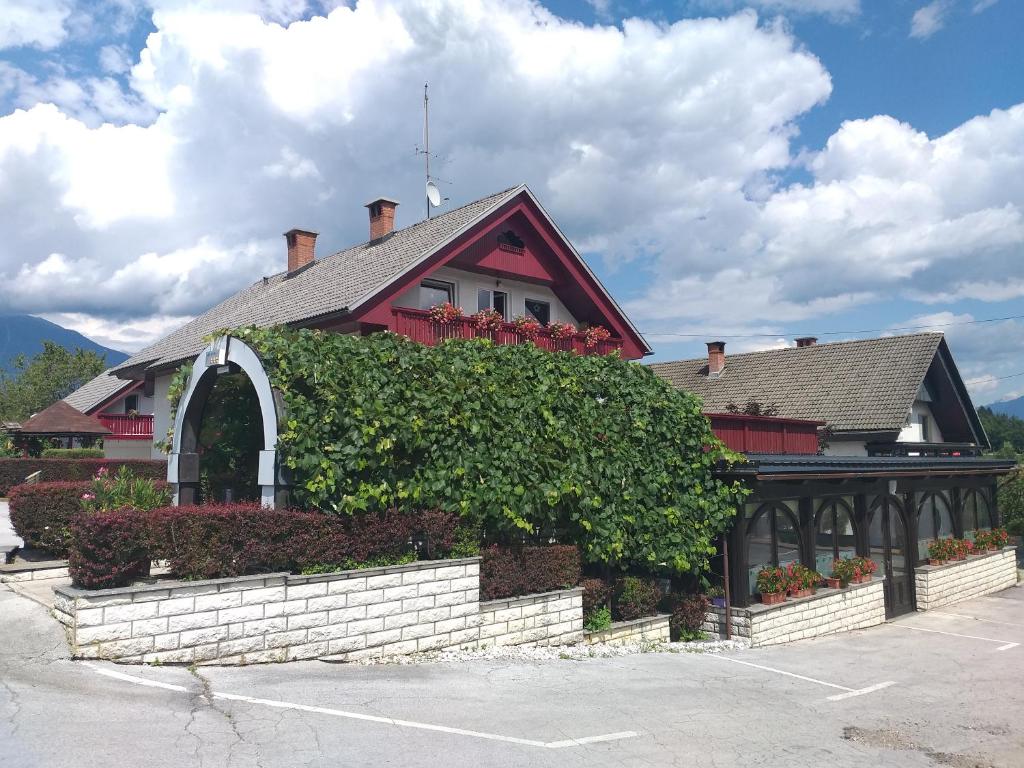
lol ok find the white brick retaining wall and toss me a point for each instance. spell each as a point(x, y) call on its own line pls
point(829, 611)
point(940, 585)
point(546, 618)
point(281, 617)
point(651, 629)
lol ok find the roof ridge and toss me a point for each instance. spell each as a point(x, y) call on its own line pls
point(827, 344)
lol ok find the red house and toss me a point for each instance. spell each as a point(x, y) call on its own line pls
point(502, 253)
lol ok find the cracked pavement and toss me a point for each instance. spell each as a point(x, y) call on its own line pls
point(956, 701)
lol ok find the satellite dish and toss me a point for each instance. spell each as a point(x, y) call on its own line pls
point(433, 194)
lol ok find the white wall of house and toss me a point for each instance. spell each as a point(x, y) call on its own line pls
point(846, 448)
point(145, 405)
point(127, 449)
point(161, 414)
point(913, 432)
point(467, 284)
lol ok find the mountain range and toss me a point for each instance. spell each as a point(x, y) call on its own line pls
point(25, 334)
point(1013, 407)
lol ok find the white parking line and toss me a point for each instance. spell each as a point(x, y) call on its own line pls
point(372, 718)
point(848, 693)
point(976, 618)
point(1006, 644)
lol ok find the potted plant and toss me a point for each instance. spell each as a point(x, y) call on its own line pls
point(445, 314)
point(801, 580)
point(561, 331)
point(845, 571)
point(833, 581)
point(998, 538)
point(526, 326)
point(937, 552)
point(595, 334)
point(772, 585)
point(864, 568)
point(717, 596)
point(488, 321)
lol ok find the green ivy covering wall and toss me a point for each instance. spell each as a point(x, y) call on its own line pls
point(594, 448)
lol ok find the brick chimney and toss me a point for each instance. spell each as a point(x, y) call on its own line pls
point(806, 341)
point(716, 357)
point(301, 245)
point(382, 217)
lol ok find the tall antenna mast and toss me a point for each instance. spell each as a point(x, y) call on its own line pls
point(426, 137)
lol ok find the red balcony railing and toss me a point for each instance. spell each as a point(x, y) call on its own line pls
point(123, 427)
point(417, 325)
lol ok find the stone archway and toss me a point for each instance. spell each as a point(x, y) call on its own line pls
point(224, 355)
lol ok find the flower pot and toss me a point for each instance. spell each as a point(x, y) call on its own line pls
point(833, 583)
point(935, 561)
point(718, 602)
point(802, 592)
point(863, 579)
point(773, 598)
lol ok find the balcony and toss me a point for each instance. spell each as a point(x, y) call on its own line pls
point(417, 325)
point(124, 427)
point(765, 434)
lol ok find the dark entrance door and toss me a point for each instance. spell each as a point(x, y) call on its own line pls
point(888, 545)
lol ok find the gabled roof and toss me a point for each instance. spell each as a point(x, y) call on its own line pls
point(96, 392)
point(61, 419)
point(855, 386)
point(337, 283)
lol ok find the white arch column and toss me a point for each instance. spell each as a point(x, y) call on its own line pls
point(224, 355)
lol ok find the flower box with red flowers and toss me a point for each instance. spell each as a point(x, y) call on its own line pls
point(595, 334)
point(488, 321)
point(445, 314)
point(561, 331)
point(526, 326)
point(772, 584)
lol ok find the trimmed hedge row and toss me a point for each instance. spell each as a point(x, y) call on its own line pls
point(14, 471)
point(217, 541)
point(72, 453)
point(511, 571)
point(42, 513)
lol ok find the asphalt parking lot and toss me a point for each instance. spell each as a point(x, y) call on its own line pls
point(942, 688)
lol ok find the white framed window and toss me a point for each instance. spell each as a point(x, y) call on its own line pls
point(539, 310)
point(434, 292)
point(496, 300)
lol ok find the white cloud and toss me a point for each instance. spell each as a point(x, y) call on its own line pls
point(982, 5)
point(929, 19)
point(38, 23)
point(114, 59)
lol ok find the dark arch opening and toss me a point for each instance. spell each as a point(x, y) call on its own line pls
point(229, 440)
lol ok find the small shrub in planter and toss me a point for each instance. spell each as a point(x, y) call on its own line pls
point(938, 552)
point(864, 568)
point(511, 571)
point(109, 491)
point(997, 538)
point(109, 549)
point(717, 596)
point(596, 593)
point(41, 514)
point(634, 598)
point(687, 618)
point(772, 585)
point(598, 619)
point(801, 580)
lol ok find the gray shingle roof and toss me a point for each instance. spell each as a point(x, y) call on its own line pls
point(95, 392)
point(867, 385)
point(330, 284)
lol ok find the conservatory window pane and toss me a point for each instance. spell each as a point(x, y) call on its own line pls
point(845, 541)
point(759, 548)
point(789, 539)
point(825, 541)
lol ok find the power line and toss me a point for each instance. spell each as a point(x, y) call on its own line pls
point(834, 333)
point(994, 378)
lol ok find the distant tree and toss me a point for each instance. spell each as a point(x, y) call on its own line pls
point(51, 375)
point(1011, 501)
point(1002, 428)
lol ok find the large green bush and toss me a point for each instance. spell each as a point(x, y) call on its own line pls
point(590, 449)
point(1011, 501)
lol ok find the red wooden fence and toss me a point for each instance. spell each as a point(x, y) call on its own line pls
point(125, 427)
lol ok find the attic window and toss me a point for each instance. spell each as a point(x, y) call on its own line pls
point(510, 241)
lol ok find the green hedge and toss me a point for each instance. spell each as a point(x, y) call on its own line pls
point(41, 514)
point(14, 471)
point(592, 450)
point(72, 453)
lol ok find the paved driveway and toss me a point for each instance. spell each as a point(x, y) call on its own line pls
point(931, 689)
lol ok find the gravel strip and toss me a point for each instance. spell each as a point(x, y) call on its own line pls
point(578, 652)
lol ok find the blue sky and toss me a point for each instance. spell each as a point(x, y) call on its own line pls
point(801, 166)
